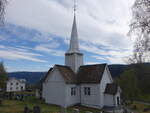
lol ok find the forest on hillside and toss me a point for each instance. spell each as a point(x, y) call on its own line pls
point(134, 82)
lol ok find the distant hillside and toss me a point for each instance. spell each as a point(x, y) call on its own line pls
point(31, 77)
point(34, 77)
point(116, 69)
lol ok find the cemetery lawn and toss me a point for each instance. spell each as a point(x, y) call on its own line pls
point(15, 106)
point(140, 107)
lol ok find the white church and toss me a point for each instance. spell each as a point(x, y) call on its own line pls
point(76, 83)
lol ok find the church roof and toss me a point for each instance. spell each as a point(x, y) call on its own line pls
point(67, 73)
point(111, 89)
point(86, 73)
point(90, 73)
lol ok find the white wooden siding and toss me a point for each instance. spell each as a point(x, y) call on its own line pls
point(105, 80)
point(109, 100)
point(74, 99)
point(54, 89)
point(92, 100)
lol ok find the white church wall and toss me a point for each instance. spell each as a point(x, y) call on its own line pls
point(79, 60)
point(72, 99)
point(70, 61)
point(117, 95)
point(105, 80)
point(109, 100)
point(92, 100)
point(74, 60)
point(54, 89)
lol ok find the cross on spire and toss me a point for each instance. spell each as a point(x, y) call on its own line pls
point(74, 46)
point(75, 6)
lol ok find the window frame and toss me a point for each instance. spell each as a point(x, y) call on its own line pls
point(73, 91)
point(87, 91)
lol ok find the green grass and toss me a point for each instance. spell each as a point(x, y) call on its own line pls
point(145, 97)
point(140, 107)
point(14, 106)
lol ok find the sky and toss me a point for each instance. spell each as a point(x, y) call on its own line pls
point(36, 33)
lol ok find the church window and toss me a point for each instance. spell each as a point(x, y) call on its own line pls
point(21, 88)
point(73, 91)
point(118, 100)
point(87, 91)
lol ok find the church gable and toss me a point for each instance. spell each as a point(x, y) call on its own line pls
point(106, 78)
point(111, 89)
point(54, 76)
point(60, 73)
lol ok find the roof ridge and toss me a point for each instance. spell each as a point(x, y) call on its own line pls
point(93, 64)
point(61, 65)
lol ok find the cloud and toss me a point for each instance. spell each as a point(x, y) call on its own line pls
point(50, 51)
point(14, 33)
point(12, 53)
point(90, 63)
point(107, 53)
point(102, 25)
point(98, 57)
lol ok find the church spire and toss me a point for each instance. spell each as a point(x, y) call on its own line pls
point(73, 57)
point(74, 46)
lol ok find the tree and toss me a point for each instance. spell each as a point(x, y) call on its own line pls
point(140, 28)
point(128, 83)
point(3, 76)
point(2, 10)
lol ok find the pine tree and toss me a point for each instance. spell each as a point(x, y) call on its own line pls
point(3, 76)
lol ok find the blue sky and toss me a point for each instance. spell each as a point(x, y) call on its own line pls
point(36, 32)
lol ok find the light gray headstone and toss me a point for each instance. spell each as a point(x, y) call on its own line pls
point(75, 110)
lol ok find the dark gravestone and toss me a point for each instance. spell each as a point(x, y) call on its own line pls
point(21, 97)
point(36, 109)
point(26, 109)
point(134, 107)
point(1, 100)
point(145, 110)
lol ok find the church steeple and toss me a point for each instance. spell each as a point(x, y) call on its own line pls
point(73, 57)
point(74, 46)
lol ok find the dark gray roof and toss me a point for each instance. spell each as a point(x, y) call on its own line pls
point(111, 89)
point(67, 73)
point(86, 73)
point(90, 73)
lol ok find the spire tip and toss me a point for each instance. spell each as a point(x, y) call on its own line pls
point(74, 6)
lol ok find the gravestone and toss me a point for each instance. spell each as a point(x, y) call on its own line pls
point(75, 110)
point(26, 109)
point(36, 109)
